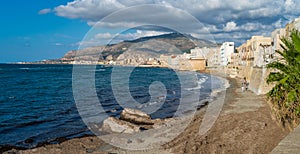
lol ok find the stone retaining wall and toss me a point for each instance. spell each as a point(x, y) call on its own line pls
point(256, 76)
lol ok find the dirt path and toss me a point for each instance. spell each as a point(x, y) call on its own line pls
point(244, 126)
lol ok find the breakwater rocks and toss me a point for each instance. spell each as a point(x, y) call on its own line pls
point(131, 121)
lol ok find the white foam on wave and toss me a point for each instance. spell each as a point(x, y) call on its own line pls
point(97, 70)
point(199, 84)
point(223, 87)
point(202, 80)
point(148, 104)
point(38, 68)
point(24, 68)
point(194, 88)
point(113, 110)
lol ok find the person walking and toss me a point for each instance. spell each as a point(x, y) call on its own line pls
point(244, 84)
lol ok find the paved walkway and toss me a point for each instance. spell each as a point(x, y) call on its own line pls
point(290, 144)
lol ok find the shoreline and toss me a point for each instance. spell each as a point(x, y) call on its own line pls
point(245, 125)
point(60, 140)
point(190, 141)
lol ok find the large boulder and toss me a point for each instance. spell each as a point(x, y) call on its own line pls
point(131, 121)
point(112, 124)
point(136, 117)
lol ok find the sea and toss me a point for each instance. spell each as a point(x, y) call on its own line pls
point(42, 104)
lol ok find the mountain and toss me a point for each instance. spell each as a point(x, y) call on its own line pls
point(172, 43)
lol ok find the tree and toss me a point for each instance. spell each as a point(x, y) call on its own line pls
point(285, 95)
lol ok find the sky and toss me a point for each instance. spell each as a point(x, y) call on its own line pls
point(35, 30)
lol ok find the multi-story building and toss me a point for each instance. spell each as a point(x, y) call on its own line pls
point(243, 54)
point(213, 57)
point(276, 36)
point(276, 39)
point(199, 52)
point(295, 24)
point(226, 50)
point(234, 60)
point(256, 52)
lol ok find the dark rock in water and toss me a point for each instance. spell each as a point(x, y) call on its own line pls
point(29, 140)
point(202, 105)
point(112, 124)
point(136, 117)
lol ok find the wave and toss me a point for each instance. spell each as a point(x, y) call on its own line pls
point(97, 70)
point(36, 69)
point(62, 122)
point(41, 68)
point(147, 104)
point(200, 82)
point(223, 87)
point(24, 68)
point(194, 88)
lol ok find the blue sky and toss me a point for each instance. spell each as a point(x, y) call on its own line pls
point(33, 30)
point(27, 35)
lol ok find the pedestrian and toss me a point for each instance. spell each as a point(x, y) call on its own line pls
point(244, 84)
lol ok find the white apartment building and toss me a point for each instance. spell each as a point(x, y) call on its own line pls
point(199, 52)
point(226, 50)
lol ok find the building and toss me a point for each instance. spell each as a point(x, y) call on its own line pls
point(243, 55)
point(256, 52)
point(262, 50)
point(197, 64)
point(171, 61)
point(295, 24)
point(234, 60)
point(276, 36)
point(226, 50)
point(199, 52)
point(213, 57)
point(182, 62)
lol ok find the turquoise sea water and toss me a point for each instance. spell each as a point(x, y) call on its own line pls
point(37, 103)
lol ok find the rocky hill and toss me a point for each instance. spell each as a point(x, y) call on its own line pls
point(173, 43)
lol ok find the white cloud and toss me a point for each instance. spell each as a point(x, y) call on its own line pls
point(291, 6)
point(104, 36)
point(141, 33)
point(45, 11)
point(230, 26)
point(217, 10)
point(218, 16)
point(278, 24)
point(138, 34)
point(92, 10)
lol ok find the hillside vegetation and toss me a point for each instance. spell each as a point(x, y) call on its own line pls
point(285, 96)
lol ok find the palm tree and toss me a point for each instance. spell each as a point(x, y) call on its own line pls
point(285, 95)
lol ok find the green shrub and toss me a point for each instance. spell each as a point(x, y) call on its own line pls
point(285, 95)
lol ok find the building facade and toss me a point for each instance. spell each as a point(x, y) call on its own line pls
point(276, 36)
point(295, 24)
point(226, 50)
point(256, 52)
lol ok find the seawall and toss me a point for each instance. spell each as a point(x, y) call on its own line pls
point(256, 76)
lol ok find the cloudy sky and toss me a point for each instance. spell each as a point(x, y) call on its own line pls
point(44, 29)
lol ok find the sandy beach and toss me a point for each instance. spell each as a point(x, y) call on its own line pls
point(243, 126)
